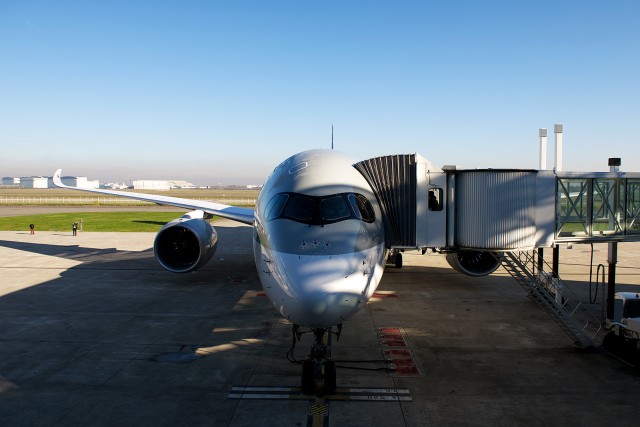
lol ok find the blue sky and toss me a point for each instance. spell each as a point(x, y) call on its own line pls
point(212, 91)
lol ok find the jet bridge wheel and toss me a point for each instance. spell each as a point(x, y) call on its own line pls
point(614, 343)
point(398, 260)
point(395, 257)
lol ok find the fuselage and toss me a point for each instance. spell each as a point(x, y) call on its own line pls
point(319, 239)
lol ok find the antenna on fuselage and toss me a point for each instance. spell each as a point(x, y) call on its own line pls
point(332, 136)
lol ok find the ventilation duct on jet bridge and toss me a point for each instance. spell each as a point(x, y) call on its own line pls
point(393, 180)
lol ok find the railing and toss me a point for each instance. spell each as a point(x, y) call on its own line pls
point(597, 206)
point(554, 295)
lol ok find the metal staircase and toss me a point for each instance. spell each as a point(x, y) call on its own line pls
point(554, 296)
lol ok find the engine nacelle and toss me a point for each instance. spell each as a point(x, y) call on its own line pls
point(473, 263)
point(186, 243)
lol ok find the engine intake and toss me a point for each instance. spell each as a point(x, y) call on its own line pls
point(473, 263)
point(186, 243)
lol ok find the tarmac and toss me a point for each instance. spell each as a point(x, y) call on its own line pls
point(94, 332)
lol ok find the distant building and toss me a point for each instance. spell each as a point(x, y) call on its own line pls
point(148, 184)
point(9, 180)
point(83, 182)
point(76, 181)
point(47, 182)
point(33, 182)
point(114, 186)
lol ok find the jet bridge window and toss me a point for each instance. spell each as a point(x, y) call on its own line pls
point(435, 199)
point(320, 210)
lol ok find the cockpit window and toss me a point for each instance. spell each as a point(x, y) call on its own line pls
point(275, 205)
point(335, 208)
point(320, 210)
point(299, 208)
point(363, 207)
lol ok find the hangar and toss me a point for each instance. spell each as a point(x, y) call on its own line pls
point(163, 184)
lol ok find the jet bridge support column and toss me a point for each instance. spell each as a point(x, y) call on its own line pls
point(540, 260)
point(556, 261)
point(612, 259)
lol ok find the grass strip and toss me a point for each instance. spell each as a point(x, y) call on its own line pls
point(91, 221)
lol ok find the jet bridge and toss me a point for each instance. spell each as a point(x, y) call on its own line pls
point(425, 206)
point(407, 187)
point(484, 218)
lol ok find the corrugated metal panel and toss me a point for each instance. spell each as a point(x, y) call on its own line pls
point(495, 209)
point(393, 180)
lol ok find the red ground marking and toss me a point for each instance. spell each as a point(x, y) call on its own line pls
point(400, 357)
point(394, 343)
point(392, 336)
point(397, 353)
point(404, 363)
point(408, 371)
point(383, 296)
point(261, 294)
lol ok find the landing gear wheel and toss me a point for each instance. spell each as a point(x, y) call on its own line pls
point(398, 260)
point(329, 377)
point(308, 377)
point(318, 371)
point(613, 343)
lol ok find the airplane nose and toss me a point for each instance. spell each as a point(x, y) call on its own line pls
point(329, 304)
point(325, 296)
point(321, 309)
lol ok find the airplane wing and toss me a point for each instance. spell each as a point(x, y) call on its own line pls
point(244, 215)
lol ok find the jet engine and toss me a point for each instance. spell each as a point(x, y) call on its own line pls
point(186, 243)
point(473, 263)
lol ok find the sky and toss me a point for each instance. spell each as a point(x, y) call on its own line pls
point(223, 91)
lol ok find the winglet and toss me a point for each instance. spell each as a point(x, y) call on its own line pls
point(57, 180)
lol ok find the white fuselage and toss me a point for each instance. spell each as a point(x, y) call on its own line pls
point(319, 239)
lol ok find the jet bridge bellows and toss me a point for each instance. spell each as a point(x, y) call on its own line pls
point(393, 179)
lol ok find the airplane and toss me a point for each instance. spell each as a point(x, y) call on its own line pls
point(318, 241)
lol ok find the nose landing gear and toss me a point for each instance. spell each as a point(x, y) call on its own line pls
point(319, 371)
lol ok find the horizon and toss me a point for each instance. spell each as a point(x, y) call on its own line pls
point(125, 182)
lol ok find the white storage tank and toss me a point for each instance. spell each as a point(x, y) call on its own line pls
point(495, 208)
